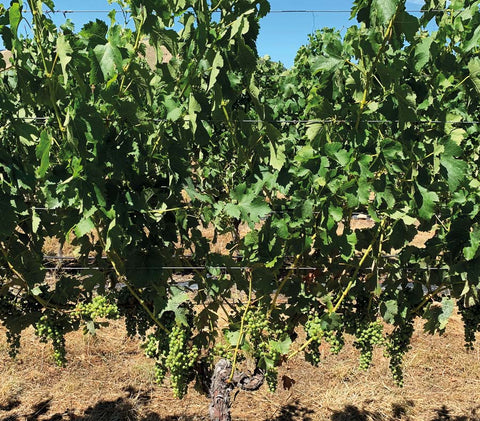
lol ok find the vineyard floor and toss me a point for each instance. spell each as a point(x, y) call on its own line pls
point(109, 379)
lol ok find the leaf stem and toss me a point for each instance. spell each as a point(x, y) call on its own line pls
point(370, 74)
point(357, 269)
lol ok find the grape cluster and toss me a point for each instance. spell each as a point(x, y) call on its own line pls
point(368, 335)
point(271, 376)
point(256, 324)
point(397, 346)
point(315, 334)
point(50, 327)
point(7, 306)
point(180, 359)
point(335, 340)
point(12, 308)
point(99, 307)
point(156, 347)
point(137, 321)
point(223, 351)
point(471, 322)
point(13, 340)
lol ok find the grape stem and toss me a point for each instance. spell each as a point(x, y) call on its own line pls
point(357, 269)
point(305, 345)
point(369, 75)
point(114, 258)
point(242, 328)
point(285, 279)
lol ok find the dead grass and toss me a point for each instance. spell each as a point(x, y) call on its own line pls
point(108, 378)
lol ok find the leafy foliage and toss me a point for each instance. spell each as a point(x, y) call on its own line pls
point(131, 162)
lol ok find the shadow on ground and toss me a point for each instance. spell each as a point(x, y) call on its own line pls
point(129, 408)
point(400, 413)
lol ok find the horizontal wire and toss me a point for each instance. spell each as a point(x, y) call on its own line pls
point(311, 121)
point(69, 11)
point(226, 268)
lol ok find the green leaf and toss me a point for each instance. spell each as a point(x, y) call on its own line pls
point(15, 16)
point(426, 203)
point(470, 251)
point(474, 70)
point(422, 53)
point(389, 311)
point(277, 156)
point(85, 226)
point(216, 67)
point(473, 41)
point(233, 337)
point(438, 315)
point(64, 50)
point(109, 59)
point(383, 10)
point(456, 171)
point(282, 347)
point(326, 64)
point(174, 304)
point(42, 152)
point(35, 221)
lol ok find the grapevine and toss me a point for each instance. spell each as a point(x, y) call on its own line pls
point(143, 165)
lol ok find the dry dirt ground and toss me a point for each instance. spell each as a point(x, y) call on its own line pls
point(108, 379)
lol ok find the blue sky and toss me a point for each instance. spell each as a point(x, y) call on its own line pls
point(281, 33)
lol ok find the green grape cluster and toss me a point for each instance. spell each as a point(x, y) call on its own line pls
point(180, 359)
point(335, 340)
point(156, 347)
point(271, 376)
point(223, 351)
point(368, 336)
point(256, 325)
point(99, 307)
point(397, 346)
point(51, 328)
point(137, 321)
point(471, 322)
point(13, 340)
point(314, 330)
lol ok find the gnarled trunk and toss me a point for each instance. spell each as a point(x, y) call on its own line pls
point(221, 388)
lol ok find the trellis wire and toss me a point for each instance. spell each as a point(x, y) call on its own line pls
point(69, 11)
point(227, 268)
point(311, 121)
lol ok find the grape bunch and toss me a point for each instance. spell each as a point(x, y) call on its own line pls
point(180, 360)
point(99, 307)
point(315, 333)
point(397, 345)
point(271, 376)
point(8, 309)
point(471, 322)
point(51, 327)
point(156, 347)
point(368, 335)
point(221, 350)
point(137, 321)
point(256, 325)
point(335, 340)
point(13, 340)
